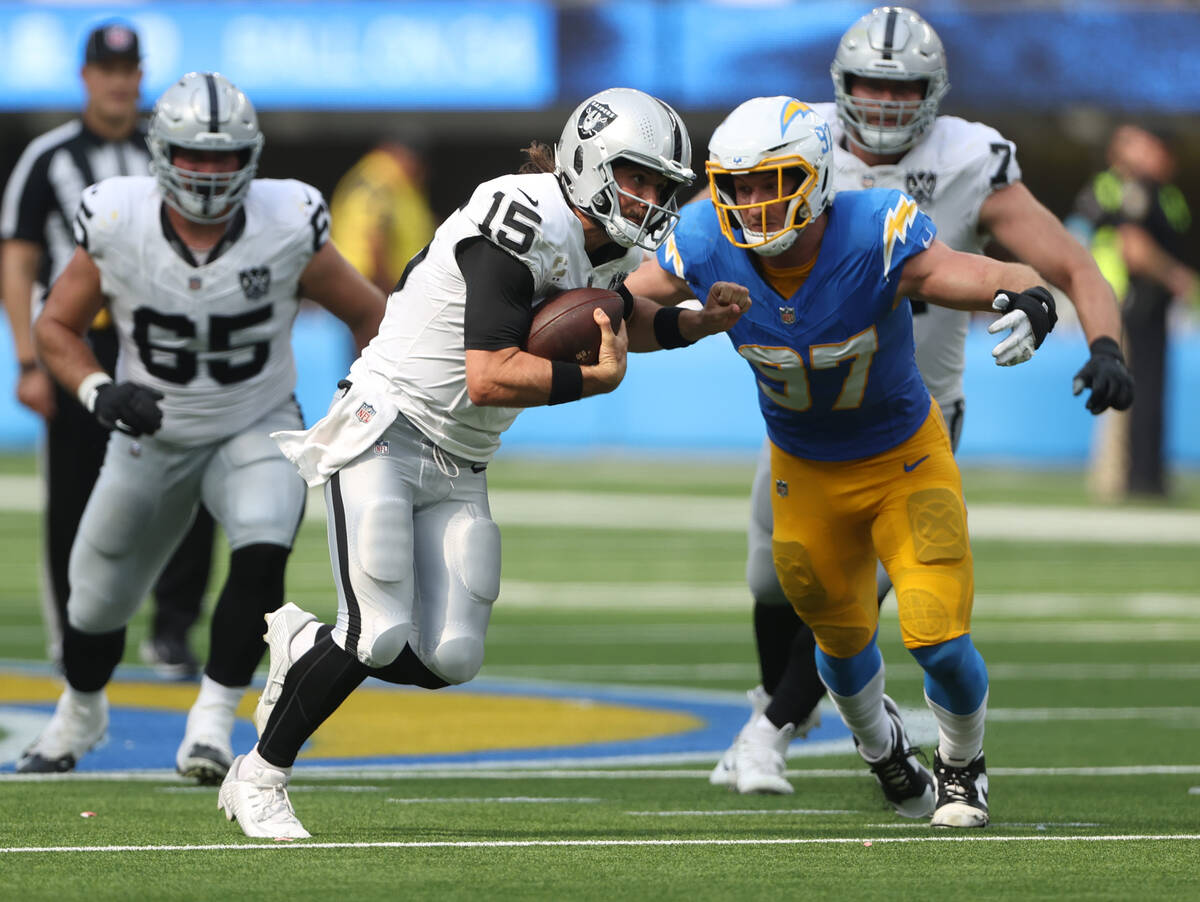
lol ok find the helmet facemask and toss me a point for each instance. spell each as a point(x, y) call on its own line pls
point(618, 127)
point(655, 224)
point(798, 213)
point(886, 126)
point(203, 111)
point(891, 43)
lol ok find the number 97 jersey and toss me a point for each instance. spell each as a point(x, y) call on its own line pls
point(211, 331)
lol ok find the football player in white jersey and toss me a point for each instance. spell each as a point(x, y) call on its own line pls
point(202, 268)
point(889, 75)
point(403, 451)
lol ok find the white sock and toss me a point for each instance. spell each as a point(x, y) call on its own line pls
point(960, 736)
point(215, 707)
point(82, 701)
point(866, 717)
point(304, 640)
point(253, 762)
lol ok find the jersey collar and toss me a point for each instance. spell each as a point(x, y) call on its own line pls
point(237, 225)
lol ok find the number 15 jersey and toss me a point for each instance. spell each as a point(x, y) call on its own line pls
point(214, 337)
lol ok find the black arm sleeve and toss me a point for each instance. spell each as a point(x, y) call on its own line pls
point(499, 296)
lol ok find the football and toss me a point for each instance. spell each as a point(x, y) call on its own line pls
point(563, 327)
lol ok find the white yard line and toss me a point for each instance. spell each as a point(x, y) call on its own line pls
point(517, 771)
point(609, 510)
point(607, 843)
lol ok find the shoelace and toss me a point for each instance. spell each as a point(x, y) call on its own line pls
point(895, 772)
point(954, 783)
point(275, 804)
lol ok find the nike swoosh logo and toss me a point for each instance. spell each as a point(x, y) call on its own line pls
point(530, 199)
point(908, 468)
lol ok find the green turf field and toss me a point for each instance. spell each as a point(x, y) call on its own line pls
point(1093, 745)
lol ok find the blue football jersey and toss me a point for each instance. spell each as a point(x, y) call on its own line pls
point(834, 362)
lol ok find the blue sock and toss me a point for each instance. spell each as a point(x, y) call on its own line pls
point(848, 676)
point(955, 675)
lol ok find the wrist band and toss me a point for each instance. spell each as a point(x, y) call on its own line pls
point(666, 328)
point(1106, 345)
point(28, 366)
point(89, 387)
point(566, 382)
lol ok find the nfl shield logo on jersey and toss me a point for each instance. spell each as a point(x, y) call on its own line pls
point(781, 488)
point(788, 315)
point(365, 412)
point(595, 117)
point(383, 448)
point(255, 282)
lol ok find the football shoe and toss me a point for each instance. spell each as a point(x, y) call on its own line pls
point(906, 783)
point(77, 726)
point(282, 626)
point(260, 803)
point(962, 793)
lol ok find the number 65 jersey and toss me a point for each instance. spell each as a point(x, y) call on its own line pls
point(215, 336)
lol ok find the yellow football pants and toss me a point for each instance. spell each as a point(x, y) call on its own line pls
point(833, 519)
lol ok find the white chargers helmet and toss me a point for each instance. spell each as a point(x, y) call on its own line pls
point(204, 111)
point(779, 135)
point(623, 125)
point(895, 43)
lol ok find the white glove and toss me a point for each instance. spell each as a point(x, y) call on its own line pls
point(1018, 346)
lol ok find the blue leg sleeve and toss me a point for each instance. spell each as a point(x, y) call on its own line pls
point(848, 676)
point(955, 675)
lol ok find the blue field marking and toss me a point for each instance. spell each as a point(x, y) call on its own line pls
point(147, 738)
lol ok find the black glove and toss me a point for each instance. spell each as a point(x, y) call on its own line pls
point(1038, 305)
point(128, 407)
point(1105, 374)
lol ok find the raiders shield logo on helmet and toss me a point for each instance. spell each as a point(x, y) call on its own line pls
point(595, 117)
point(255, 282)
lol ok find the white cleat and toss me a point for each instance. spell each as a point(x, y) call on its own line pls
point(78, 725)
point(282, 627)
point(759, 759)
point(724, 774)
point(962, 793)
point(260, 804)
point(205, 759)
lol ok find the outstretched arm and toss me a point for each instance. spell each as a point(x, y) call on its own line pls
point(951, 278)
point(658, 322)
point(1019, 222)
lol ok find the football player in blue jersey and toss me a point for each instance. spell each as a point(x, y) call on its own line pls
point(860, 457)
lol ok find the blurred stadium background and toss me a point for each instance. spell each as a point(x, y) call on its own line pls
point(471, 82)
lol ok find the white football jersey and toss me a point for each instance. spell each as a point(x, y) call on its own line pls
point(951, 171)
point(420, 349)
point(214, 337)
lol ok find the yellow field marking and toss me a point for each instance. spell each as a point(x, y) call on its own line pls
point(411, 722)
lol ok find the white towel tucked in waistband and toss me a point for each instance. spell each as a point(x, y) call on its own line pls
point(354, 421)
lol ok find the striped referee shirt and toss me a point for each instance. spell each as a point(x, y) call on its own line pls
point(42, 195)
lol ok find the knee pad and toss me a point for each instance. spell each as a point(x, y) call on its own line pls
point(386, 645)
point(473, 549)
point(458, 659)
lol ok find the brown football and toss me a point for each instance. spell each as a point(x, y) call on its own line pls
point(563, 327)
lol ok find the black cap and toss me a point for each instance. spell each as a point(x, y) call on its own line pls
point(112, 41)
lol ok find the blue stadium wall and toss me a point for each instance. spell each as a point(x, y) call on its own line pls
point(702, 401)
